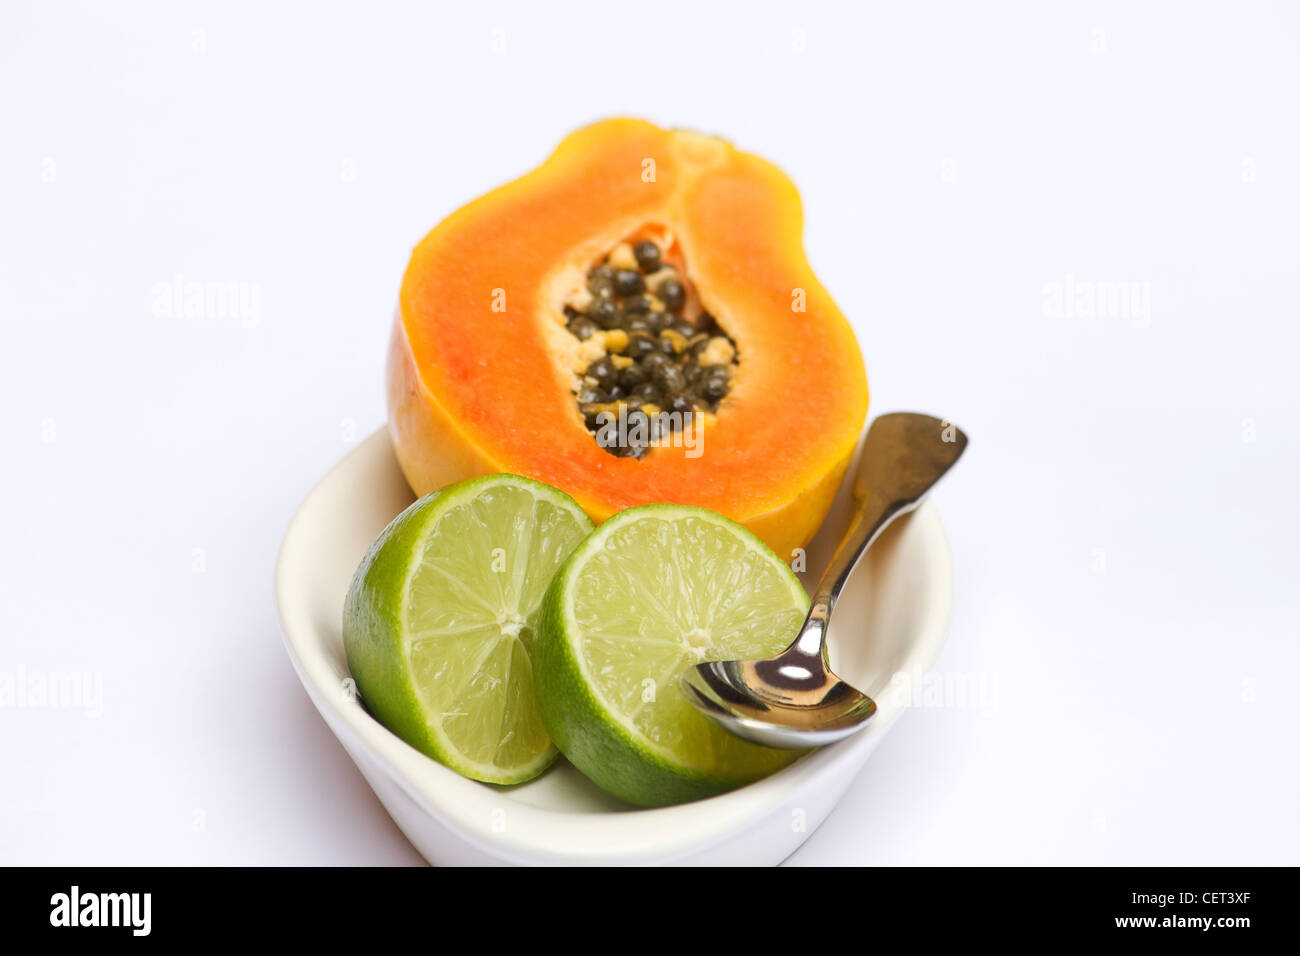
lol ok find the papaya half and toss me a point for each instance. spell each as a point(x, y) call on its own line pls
point(634, 321)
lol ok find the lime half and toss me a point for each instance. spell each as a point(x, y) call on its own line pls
point(653, 591)
point(441, 614)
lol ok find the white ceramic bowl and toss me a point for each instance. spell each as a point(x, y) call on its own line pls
point(891, 621)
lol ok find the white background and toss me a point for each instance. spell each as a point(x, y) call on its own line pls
point(1124, 526)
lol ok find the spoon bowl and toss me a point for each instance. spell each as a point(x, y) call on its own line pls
point(814, 710)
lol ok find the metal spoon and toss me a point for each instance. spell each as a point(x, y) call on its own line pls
point(794, 700)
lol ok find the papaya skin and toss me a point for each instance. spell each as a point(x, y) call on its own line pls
point(474, 389)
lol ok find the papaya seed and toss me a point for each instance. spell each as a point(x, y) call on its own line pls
point(654, 366)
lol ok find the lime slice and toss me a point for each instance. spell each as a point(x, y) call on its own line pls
point(653, 591)
point(440, 616)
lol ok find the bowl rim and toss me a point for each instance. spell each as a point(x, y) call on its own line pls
point(540, 833)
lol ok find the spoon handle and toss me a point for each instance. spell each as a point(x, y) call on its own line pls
point(903, 456)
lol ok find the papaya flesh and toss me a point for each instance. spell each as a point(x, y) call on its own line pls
point(487, 364)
